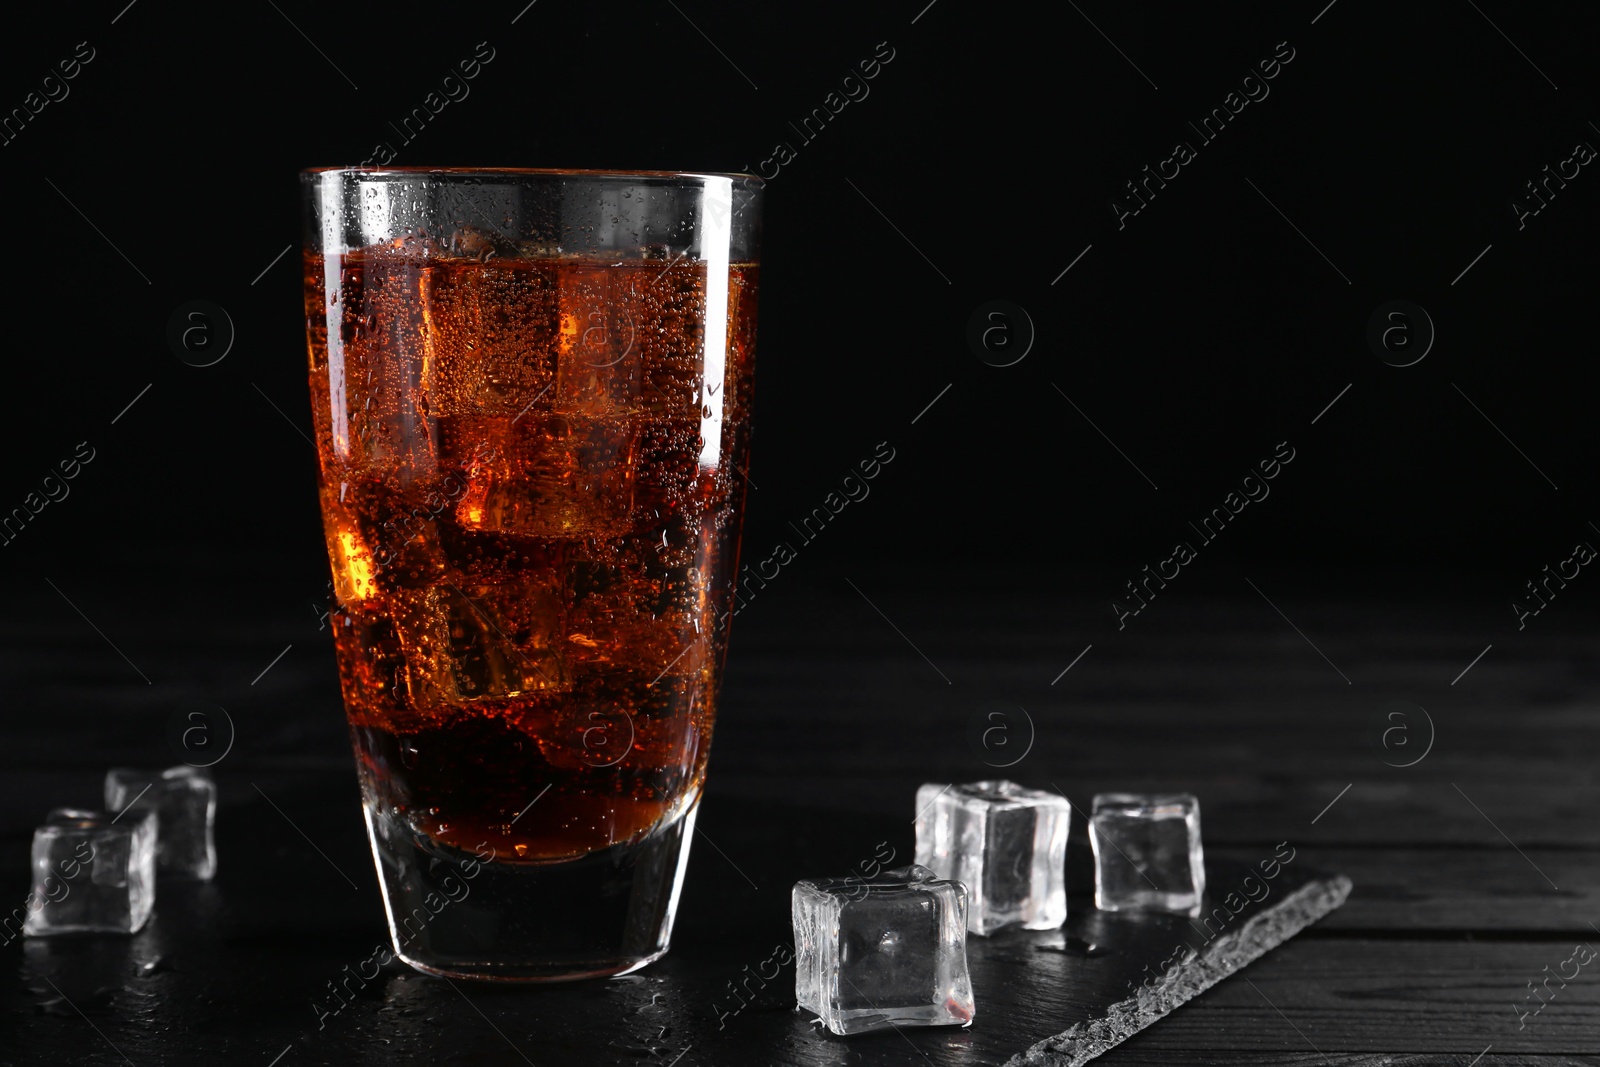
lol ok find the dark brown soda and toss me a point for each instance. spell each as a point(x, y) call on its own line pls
point(531, 472)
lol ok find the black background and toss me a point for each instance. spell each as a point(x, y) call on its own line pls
point(1196, 338)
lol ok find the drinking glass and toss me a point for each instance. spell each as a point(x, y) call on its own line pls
point(531, 392)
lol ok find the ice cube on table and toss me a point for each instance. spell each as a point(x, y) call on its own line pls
point(880, 952)
point(184, 802)
point(93, 872)
point(1005, 843)
point(1147, 854)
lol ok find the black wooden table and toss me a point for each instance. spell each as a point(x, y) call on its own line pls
point(1474, 867)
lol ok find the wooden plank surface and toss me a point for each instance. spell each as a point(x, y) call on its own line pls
point(1397, 996)
point(1474, 869)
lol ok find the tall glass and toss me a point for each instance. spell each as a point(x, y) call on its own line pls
point(532, 399)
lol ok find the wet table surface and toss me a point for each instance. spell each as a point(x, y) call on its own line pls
point(1463, 812)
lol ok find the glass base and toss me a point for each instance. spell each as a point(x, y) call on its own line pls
point(475, 915)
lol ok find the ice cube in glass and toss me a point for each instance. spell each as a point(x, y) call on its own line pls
point(477, 642)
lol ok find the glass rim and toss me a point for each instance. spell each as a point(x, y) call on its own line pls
point(546, 172)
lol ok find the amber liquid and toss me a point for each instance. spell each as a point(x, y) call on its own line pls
point(530, 488)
